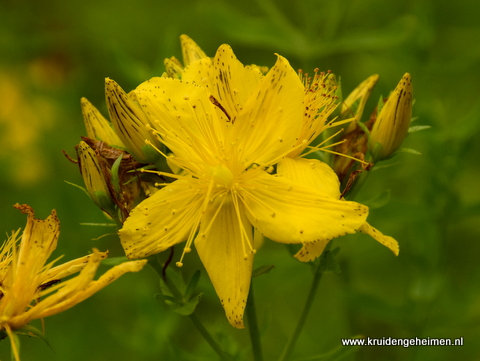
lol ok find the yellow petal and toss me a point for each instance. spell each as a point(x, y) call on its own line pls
point(310, 251)
point(290, 213)
point(229, 81)
point(163, 220)
point(387, 241)
point(270, 122)
point(94, 286)
point(184, 117)
point(68, 268)
point(222, 250)
point(311, 173)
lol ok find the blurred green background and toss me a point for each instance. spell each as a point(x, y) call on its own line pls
point(54, 52)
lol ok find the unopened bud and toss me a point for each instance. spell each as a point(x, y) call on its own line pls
point(354, 104)
point(393, 121)
point(190, 50)
point(130, 123)
point(98, 128)
point(95, 176)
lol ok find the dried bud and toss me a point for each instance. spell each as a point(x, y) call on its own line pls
point(392, 123)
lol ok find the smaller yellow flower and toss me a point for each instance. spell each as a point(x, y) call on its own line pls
point(32, 289)
point(391, 126)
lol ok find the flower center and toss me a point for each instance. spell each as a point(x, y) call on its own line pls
point(222, 176)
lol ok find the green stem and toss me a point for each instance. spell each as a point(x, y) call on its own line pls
point(359, 182)
point(287, 352)
point(210, 340)
point(253, 327)
point(157, 267)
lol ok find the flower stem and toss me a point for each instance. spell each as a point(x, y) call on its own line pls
point(287, 352)
point(253, 327)
point(210, 340)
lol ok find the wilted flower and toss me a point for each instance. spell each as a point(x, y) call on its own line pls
point(32, 289)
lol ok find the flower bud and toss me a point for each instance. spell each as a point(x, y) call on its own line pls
point(130, 123)
point(95, 178)
point(392, 123)
point(354, 104)
point(98, 128)
point(190, 50)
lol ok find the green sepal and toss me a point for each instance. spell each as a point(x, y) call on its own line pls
point(380, 105)
point(150, 153)
point(339, 353)
point(103, 201)
point(363, 127)
point(187, 308)
point(30, 330)
point(377, 152)
point(262, 270)
point(114, 172)
point(192, 285)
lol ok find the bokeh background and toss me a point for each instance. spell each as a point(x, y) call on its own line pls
point(54, 52)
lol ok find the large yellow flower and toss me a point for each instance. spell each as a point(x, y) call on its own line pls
point(227, 125)
point(32, 289)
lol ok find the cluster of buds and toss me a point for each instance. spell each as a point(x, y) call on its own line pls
point(115, 153)
point(381, 135)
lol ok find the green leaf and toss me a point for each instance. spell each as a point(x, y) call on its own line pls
point(379, 200)
point(417, 128)
point(114, 261)
point(409, 150)
point(77, 186)
point(189, 307)
point(262, 270)
point(30, 330)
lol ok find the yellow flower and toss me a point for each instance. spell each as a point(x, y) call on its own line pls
point(32, 289)
point(391, 126)
point(226, 125)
